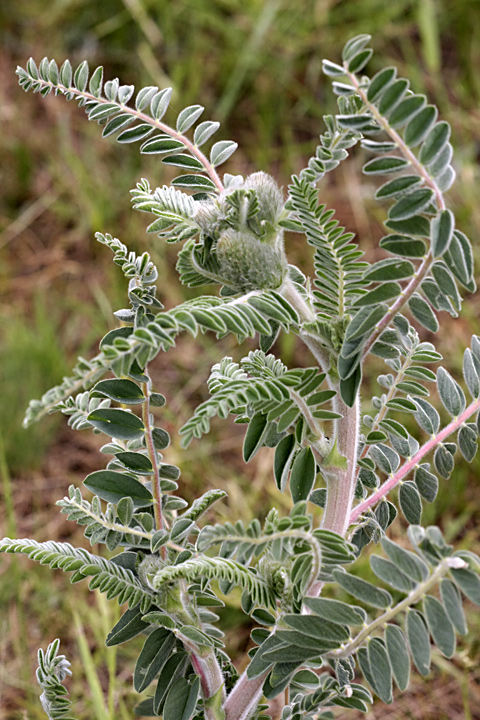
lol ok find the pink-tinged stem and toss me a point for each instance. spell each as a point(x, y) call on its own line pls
point(410, 464)
point(341, 481)
point(211, 679)
point(244, 698)
point(400, 302)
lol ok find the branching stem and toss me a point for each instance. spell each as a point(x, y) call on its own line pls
point(341, 482)
point(412, 462)
point(152, 454)
point(390, 395)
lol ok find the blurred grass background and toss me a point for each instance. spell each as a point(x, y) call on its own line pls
point(256, 66)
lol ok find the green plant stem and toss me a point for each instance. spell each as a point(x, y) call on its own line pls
point(341, 482)
point(152, 454)
point(420, 591)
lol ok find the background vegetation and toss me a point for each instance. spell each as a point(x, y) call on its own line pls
point(256, 66)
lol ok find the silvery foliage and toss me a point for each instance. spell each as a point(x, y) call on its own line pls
point(347, 475)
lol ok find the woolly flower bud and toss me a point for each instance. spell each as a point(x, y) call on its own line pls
point(206, 216)
point(269, 195)
point(247, 263)
point(148, 568)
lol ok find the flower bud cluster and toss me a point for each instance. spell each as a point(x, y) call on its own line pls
point(247, 237)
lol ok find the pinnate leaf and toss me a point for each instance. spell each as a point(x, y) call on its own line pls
point(359, 60)
point(80, 77)
point(452, 602)
point(221, 151)
point(450, 392)
point(354, 46)
point(336, 611)
point(411, 204)
point(418, 127)
point(389, 573)
point(256, 432)
point(181, 700)
point(426, 482)
point(204, 131)
point(382, 293)
point(407, 109)
point(406, 561)
point(385, 165)
point(380, 82)
point(442, 227)
point(130, 625)
point(160, 103)
point(135, 134)
point(404, 245)
point(120, 390)
point(422, 312)
point(188, 117)
point(398, 186)
point(468, 582)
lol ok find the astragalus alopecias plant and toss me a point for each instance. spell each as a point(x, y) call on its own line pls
point(346, 474)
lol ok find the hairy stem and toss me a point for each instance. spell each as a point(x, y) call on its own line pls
point(244, 698)
point(400, 302)
point(403, 471)
point(152, 454)
point(341, 482)
point(211, 679)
